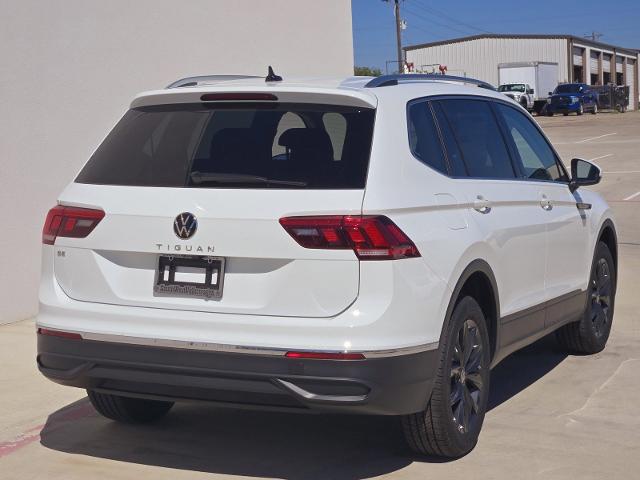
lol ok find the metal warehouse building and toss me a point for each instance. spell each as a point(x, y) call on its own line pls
point(578, 59)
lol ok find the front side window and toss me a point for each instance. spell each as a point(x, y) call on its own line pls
point(478, 137)
point(236, 145)
point(336, 126)
point(536, 158)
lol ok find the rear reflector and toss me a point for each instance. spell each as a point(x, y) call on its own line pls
point(231, 97)
point(69, 222)
point(58, 333)
point(370, 237)
point(326, 356)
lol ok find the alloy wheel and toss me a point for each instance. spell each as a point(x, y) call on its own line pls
point(600, 297)
point(466, 376)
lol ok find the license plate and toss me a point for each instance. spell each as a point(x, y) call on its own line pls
point(188, 276)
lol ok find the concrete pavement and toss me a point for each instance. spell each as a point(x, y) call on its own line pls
point(551, 416)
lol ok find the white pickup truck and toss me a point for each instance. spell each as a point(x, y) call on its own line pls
point(528, 83)
point(520, 92)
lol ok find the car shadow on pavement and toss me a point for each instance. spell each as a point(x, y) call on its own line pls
point(523, 368)
point(204, 438)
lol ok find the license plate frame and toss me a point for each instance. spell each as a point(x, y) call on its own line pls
point(210, 289)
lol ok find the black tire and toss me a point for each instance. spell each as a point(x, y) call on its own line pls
point(128, 410)
point(436, 431)
point(566, 114)
point(595, 109)
point(549, 114)
point(580, 110)
point(590, 334)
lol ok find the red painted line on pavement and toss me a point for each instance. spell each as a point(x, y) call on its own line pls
point(7, 448)
point(28, 437)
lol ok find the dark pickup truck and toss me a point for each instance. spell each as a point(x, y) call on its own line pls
point(572, 97)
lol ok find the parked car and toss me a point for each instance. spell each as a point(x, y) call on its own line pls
point(261, 244)
point(572, 98)
point(520, 92)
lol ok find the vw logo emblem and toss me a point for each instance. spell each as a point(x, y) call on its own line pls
point(185, 225)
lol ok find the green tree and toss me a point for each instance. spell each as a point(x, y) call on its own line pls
point(367, 71)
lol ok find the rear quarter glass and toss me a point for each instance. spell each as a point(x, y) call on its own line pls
point(236, 145)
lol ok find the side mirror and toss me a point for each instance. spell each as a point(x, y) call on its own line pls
point(550, 93)
point(583, 173)
point(530, 91)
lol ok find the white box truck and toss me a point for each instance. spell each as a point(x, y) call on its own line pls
point(528, 83)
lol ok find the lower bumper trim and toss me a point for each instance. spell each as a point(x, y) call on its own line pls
point(384, 386)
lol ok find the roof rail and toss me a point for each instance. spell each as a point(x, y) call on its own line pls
point(395, 79)
point(199, 80)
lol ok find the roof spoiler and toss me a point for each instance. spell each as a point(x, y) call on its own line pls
point(202, 79)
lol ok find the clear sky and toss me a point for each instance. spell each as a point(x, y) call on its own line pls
point(432, 20)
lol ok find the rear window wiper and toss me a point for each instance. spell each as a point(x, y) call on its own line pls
point(210, 177)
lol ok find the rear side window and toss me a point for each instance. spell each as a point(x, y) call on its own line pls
point(227, 145)
point(478, 137)
point(424, 139)
point(535, 156)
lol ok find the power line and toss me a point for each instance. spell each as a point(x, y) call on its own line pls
point(444, 16)
point(433, 22)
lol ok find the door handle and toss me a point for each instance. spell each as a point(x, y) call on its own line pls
point(545, 203)
point(481, 204)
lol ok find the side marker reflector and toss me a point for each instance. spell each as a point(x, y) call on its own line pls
point(325, 356)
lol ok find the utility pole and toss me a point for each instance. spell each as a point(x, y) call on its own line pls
point(398, 35)
point(396, 12)
point(595, 36)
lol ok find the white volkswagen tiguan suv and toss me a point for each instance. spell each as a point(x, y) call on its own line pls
point(365, 245)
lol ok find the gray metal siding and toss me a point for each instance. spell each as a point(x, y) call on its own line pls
point(479, 58)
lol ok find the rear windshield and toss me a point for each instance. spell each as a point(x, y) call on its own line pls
point(236, 146)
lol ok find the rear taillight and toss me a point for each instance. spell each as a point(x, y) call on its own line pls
point(69, 222)
point(59, 333)
point(370, 237)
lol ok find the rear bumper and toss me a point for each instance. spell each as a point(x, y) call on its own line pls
point(382, 386)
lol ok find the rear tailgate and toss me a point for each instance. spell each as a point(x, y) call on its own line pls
point(266, 271)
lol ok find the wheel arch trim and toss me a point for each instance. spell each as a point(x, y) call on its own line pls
point(608, 224)
point(476, 266)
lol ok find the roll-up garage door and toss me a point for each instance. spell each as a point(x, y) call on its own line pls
point(618, 79)
point(606, 68)
point(594, 63)
point(631, 79)
point(577, 56)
